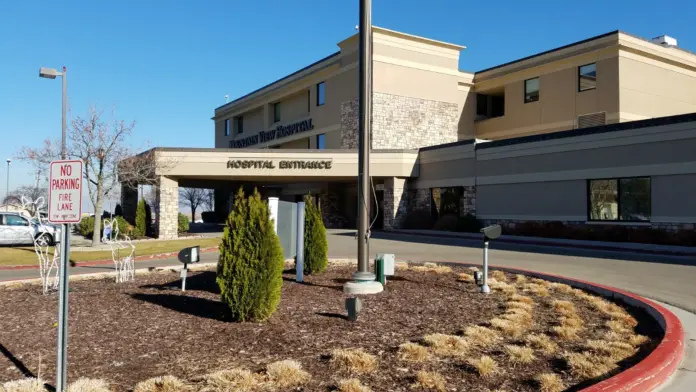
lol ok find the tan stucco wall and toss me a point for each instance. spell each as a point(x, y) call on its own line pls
point(560, 102)
point(298, 144)
point(652, 88)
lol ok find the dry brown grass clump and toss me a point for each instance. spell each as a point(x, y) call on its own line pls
point(519, 305)
point(499, 276)
point(508, 328)
point(432, 267)
point(561, 287)
point(413, 352)
point(481, 336)
point(401, 266)
point(616, 351)
point(587, 365)
point(565, 332)
point(519, 354)
point(541, 282)
point(24, 385)
point(465, 277)
point(473, 269)
point(549, 382)
point(522, 298)
point(354, 360)
point(619, 327)
point(542, 343)
point(573, 321)
point(432, 381)
point(161, 384)
point(520, 316)
point(563, 307)
point(519, 279)
point(352, 385)
point(232, 380)
point(536, 289)
point(447, 345)
point(287, 374)
point(637, 340)
point(485, 366)
point(89, 385)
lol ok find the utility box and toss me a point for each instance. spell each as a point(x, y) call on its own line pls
point(384, 266)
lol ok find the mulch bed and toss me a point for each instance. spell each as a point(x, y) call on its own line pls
point(129, 332)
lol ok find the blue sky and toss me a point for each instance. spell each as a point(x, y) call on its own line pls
point(168, 64)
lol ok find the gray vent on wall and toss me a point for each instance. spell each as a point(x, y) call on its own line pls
point(592, 120)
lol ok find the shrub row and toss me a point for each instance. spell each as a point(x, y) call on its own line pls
point(86, 227)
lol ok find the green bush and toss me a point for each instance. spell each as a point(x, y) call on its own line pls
point(140, 219)
point(251, 261)
point(183, 223)
point(86, 227)
point(316, 246)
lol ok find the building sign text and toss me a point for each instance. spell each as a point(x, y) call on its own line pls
point(284, 164)
point(279, 132)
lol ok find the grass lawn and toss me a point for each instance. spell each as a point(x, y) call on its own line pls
point(26, 255)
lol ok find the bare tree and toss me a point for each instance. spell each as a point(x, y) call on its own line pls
point(209, 200)
point(192, 198)
point(102, 145)
point(28, 192)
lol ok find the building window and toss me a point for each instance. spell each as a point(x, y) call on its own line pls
point(240, 124)
point(227, 127)
point(321, 141)
point(619, 199)
point(321, 92)
point(531, 90)
point(446, 201)
point(587, 77)
point(276, 112)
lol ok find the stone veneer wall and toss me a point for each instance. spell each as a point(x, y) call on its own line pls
point(330, 208)
point(168, 208)
point(402, 122)
point(395, 203)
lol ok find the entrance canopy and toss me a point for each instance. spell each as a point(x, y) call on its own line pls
point(277, 165)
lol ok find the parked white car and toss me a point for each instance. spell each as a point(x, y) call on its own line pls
point(16, 229)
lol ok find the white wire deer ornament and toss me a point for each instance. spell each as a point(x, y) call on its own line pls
point(125, 266)
point(48, 263)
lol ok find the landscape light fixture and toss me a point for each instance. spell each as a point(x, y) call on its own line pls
point(489, 233)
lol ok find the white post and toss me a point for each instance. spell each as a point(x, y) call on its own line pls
point(484, 288)
point(299, 258)
point(273, 207)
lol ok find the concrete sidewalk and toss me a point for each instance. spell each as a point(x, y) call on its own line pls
point(684, 380)
point(597, 245)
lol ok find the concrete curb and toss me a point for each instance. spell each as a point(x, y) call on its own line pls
point(107, 261)
point(667, 250)
point(654, 370)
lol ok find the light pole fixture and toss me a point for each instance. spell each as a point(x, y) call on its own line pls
point(52, 73)
point(62, 357)
point(7, 190)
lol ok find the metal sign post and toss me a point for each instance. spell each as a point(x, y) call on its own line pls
point(64, 207)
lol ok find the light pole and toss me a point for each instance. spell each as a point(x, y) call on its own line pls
point(61, 365)
point(7, 190)
point(363, 280)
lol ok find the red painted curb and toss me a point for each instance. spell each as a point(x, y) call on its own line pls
point(655, 369)
point(107, 261)
point(543, 243)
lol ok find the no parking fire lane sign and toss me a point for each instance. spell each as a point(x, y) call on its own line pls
point(65, 192)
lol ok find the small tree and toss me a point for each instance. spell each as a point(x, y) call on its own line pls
point(140, 219)
point(118, 211)
point(148, 220)
point(251, 260)
point(315, 244)
point(192, 198)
